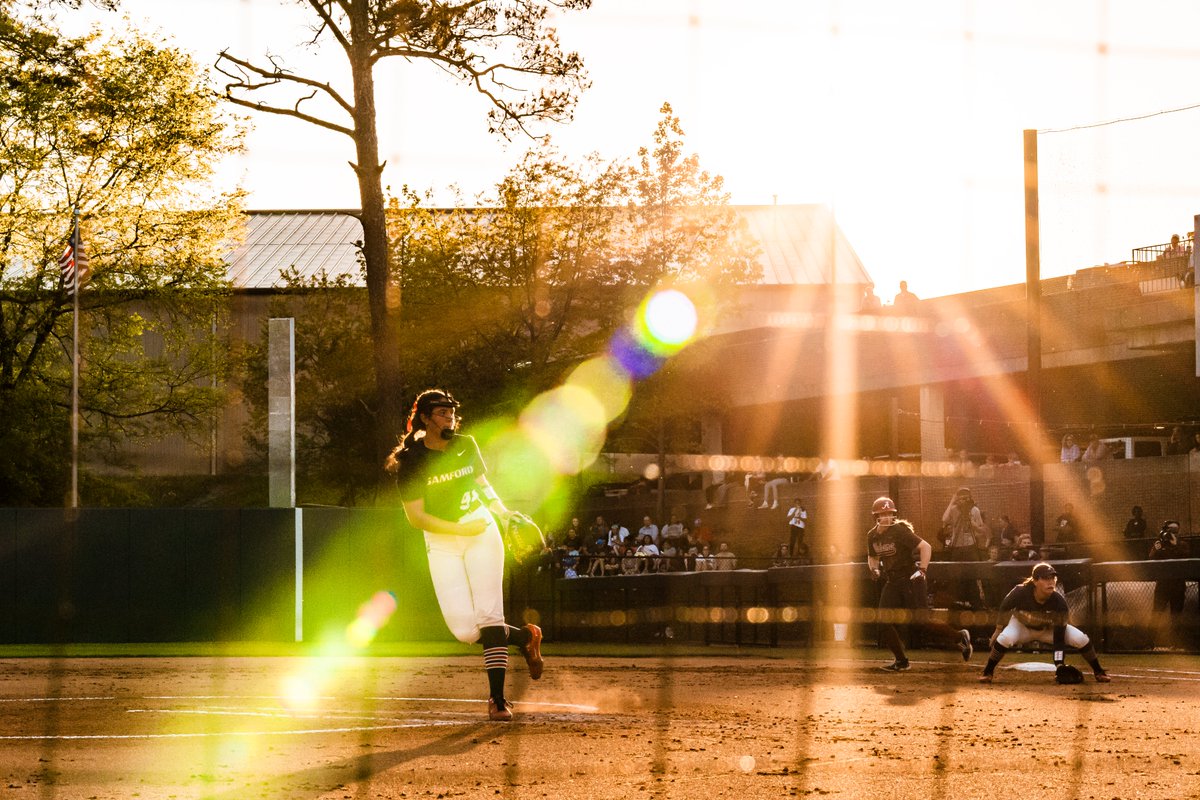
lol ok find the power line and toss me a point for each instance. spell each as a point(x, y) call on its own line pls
point(1122, 119)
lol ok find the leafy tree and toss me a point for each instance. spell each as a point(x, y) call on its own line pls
point(502, 298)
point(502, 48)
point(122, 132)
point(682, 228)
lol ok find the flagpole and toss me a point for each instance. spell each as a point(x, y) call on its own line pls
point(75, 369)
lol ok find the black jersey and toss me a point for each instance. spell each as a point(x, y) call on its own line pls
point(1052, 613)
point(446, 480)
point(894, 547)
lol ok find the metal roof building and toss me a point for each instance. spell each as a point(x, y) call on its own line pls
point(796, 244)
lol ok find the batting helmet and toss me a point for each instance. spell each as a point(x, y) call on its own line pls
point(883, 505)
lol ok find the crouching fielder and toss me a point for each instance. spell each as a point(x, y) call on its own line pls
point(1034, 612)
point(447, 495)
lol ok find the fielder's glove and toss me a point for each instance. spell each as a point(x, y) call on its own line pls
point(1066, 674)
point(523, 538)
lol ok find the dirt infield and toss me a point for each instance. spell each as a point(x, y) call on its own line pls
point(754, 725)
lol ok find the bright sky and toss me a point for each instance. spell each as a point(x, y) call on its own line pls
point(906, 118)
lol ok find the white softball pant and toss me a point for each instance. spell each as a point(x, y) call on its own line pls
point(468, 577)
point(1016, 633)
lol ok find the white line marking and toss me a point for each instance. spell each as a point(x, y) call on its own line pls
point(306, 732)
point(51, 699)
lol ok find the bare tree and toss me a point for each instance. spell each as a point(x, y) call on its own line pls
point(503, 48)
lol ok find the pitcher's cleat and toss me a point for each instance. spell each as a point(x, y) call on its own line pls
point(964, 644)
point(985, 678)
point(532, 650)
point(1102, 677)
point(896, 666)
point(501, 713)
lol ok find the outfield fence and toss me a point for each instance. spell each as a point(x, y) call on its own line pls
point(284, 575)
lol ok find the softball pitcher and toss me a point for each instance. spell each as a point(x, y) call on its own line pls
point(446, 494)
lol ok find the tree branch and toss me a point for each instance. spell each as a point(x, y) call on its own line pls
point(273, 77)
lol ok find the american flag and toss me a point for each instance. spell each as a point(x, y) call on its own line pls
point(74, 263)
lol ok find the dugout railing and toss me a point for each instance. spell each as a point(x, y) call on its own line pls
point(1114, 602)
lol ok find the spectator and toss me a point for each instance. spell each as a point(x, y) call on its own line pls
point(706, 561)
point(771, 491)
point(595, 567)
point(906, 302)
point(801, 555)
point(702, 532)
point(1097, 450)
point(1176, 444)
point(1068, 530)
point(674, 530)
point(670, 556)
point(870, 303)
point(574, 535)
point(827, 470)
point(963, 527)
point(1024, 551)
point(570, 562)
point(966, 537)
point(1168, 593)
point(648, 529)
point(726, 560)
point(598, 531)
point(754, 483)
point(717, 493)
point(1195, 443)
point(783, 558)
point(617, 534)
point(1007, 532)
point(631, 564)
point(1135, 528)
point(1070, 450)
point(650, 552)
point(689, 560)
point(612, 560)
point(1013, 460)
point(1174, 249)
point(797, 522)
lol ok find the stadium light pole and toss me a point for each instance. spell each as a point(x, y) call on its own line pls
point(1033, 328)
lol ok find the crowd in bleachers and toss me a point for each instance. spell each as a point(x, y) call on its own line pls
point(603, 549)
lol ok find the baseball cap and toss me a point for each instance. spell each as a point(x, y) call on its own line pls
point(1044, 570)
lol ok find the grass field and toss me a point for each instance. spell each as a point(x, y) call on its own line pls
point(246, 721)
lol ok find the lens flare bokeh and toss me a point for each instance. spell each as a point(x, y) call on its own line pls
point(667, 320)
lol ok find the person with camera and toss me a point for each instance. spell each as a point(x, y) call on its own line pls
point(1168, 593)
point(964, 530)
point(966, 537)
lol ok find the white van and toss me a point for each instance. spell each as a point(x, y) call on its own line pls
point(1137, 446)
